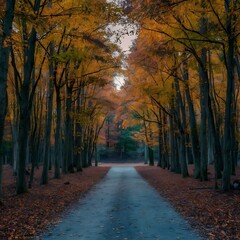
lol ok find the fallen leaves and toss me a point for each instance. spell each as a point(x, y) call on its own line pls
point(214, 213)
point(24, 216)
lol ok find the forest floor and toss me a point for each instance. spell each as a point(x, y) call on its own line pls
point(24, 216)
point(214, 213)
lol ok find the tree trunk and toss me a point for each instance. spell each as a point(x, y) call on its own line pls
point(211, 127)
point(96, 155)
point(174, 157)
point(78, 137)
point(165, 142)
point(228, 145)
point(68, 156)
point(58, 134)
point(25, 105)
point(181, 123)
point(203, 127)
point(4, 60)
point(48, 123)
point(33, 147)
point(151, 156)
point(1, 177)
point(193, 124)
point(78, 146)
point(208, 104)
point(203, 102)
point(15, 135)
point(210, 147)
point(237, 64)
point(85, 155)
point(160, 145)
point(91, 146)
point(23, 142)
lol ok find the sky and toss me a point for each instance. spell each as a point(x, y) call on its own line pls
point(125, 36)
point(125, 43)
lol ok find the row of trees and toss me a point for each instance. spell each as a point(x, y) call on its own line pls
point(184, 75)
point(55, 82)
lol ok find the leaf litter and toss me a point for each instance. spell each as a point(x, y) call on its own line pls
point(25, 216)
point(214, 213)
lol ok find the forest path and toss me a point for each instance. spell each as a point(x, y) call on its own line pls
point(122, 206)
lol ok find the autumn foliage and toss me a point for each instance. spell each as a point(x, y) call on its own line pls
point(183, 76)
point(57, 95)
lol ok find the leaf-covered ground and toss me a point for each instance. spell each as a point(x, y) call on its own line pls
point(23, 216)
point(214, 213)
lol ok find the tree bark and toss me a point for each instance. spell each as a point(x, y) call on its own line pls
point(181, 123)
point(58, 135)
point(174, 156)
point(15, 148)
point(160, 145)
point(193, 123)
point(228, 145)
point(165, 142)
point(151, 156)
point(78, 131)
point(48, 123)
point(25, 102)
point(208, 104)
point(4, 61)
point(68, 157)
point(203, 127)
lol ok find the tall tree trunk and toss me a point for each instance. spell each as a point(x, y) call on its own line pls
point(15, 135)
point(193, 124)
point(216, 136)
point(96, 154)
point(85, 154)
point(174, 156)
point(58, 135)
point(39, 139)
point(25, 105)
point(69, 130)
point(32, 143)
point(181, 123)
point(160, 144)
point(48, 123)
point(203, 101)
point(210, 147)
point(4, 57)
point(236, 110)
point(211, 122)
point(151, 156)
point(165, 142)
point(237, 64)
point(228, 142)
point(33, 154)
point(208, 104)
point(149, 147)
point(203, 127)
point(15, 147)
point(23, 142)
point(108, 132)
point(91, 146)
point(172, 148)
point(78, 131)
point(1, 177)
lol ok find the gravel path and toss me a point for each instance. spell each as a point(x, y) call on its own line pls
point(122, 206)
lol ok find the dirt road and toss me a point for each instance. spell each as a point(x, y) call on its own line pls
point(122, 206)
